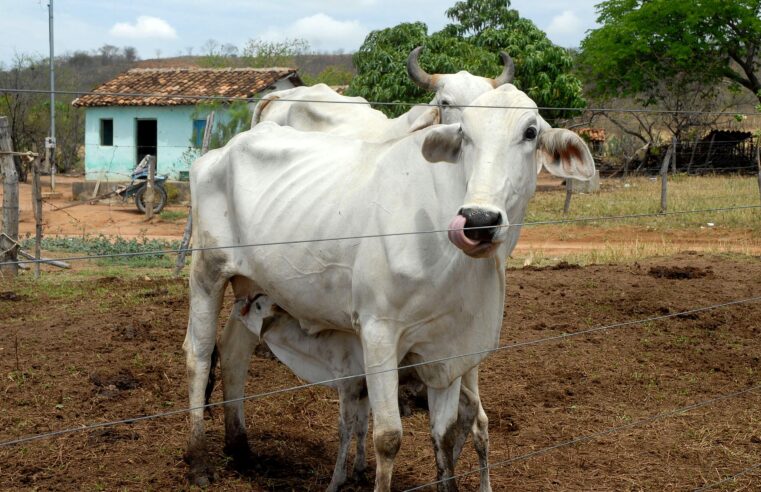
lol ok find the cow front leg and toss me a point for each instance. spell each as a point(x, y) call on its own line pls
point(347, 398)
point(205, 304)
point(379, 345)
point(443, 405)
point(472, 419)
point(236, 345)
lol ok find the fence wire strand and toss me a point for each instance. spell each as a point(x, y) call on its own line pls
point(254, 99)
point(393, 234)
point(290, 389)
point(595, 435)
point(730, 478)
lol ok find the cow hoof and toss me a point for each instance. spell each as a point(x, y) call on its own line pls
point(239, 453)
point(201, 475)
point(200, 471)
point(360, 476)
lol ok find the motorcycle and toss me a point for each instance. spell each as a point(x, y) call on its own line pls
point(139, 185)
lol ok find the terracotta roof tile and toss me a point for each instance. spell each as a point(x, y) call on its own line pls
point(147, 83)
point(591, 134)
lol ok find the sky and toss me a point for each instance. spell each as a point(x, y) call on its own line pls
point(166, 28)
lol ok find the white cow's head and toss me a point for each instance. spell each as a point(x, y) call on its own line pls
point(456, 89)
point(502, 150)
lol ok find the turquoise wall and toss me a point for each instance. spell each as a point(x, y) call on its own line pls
point(116, 162)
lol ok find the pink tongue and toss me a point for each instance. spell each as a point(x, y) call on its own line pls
point(457, 235)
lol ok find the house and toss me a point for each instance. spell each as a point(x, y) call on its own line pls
point(128, 118)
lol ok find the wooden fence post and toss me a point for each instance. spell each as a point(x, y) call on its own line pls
point(758, 163)
point(150, 194)
point(8, 249)
point(37, 207)
point(180, 264)
point(664, 177)
point(568, 193)
point(673, 155)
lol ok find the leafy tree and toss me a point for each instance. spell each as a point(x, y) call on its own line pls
point(332, 75)
point(480, 29)
point(682, 43)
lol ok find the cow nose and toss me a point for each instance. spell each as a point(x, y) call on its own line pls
point(485, 221)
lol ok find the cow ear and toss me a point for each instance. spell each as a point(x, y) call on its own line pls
point(430, 117)
point(443, 144)
point(563, 153)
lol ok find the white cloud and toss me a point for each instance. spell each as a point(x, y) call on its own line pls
point(322, 32)
point(566, 29)
point(146, 27)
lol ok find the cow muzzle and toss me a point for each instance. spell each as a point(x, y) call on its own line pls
point(476, 231)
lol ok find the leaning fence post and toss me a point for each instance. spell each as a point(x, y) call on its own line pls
point(664, 177)
point(8, 249)
point(150, 194)
point(189, 223)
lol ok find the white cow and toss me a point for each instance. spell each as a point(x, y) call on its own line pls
point(319, 108)
point(420, 296)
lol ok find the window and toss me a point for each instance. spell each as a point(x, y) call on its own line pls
point(199, 126)
point(107, 132)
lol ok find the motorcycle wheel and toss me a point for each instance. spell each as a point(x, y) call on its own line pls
point(159, 199)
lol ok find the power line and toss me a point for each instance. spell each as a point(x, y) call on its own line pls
point(369, 103)
point(394, 234)
point(595, 435)
point(344, 378)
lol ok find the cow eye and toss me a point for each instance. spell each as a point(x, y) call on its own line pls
point(444, 103)
point(530, 133)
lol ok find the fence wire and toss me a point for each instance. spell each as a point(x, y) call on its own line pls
point(393, 234)
point(729, 479)
point(255, 99)
point(595, 435)
point(290, 389)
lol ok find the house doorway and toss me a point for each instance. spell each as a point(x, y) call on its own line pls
point(146, 139)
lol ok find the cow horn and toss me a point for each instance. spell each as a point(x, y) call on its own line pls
point(508, 72)
point(419, 76)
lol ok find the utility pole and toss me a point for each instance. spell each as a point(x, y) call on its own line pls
point(50, 141)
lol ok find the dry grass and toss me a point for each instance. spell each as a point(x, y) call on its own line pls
point(642, 196)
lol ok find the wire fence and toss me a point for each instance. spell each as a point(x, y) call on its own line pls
point(590, 331)
point(730, 478)
point(255, 99)
point(376, 236)
point(327, 382)
point(596, 435)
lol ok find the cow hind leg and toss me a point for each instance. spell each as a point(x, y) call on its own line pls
point(443, 406)
point(236, 345)
point(466, 415)
point(479, 428)
point(347, 415)
point(205, 303)
point(360, 431)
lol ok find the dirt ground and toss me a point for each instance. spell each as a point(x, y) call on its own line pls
point(87, 350)
point(116, 218)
